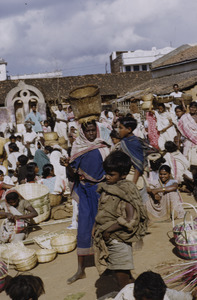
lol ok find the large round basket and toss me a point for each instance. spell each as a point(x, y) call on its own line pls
point(50, 136)
point(164, 99)
point(38, 196)
point(55, 199)
point(187, 98)
point(25, 260)
point(64, 243)
point(85, 101)
point(46, 255)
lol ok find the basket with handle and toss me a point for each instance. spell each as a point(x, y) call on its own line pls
point(186, 242)
point(187, 226)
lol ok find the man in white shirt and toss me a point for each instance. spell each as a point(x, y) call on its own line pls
point(61, 121)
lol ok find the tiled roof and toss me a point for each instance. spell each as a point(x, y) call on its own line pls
point(182, 54)
point(59, 88)
point(163, 85)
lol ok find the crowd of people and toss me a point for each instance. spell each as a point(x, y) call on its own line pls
point(122, 171)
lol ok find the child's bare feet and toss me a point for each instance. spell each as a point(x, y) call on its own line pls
point(78, 275)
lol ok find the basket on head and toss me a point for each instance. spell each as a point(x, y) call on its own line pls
point(164, 99)
point(146, 105)
point(187, 98)
point(85, 102)
point(64, 243)
point(46, 255)
point(147, 97)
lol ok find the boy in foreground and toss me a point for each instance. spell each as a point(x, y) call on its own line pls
point(121, 219)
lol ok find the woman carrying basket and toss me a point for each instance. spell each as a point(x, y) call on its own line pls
point(85, 170)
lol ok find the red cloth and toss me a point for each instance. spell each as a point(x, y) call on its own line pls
point(153, 133)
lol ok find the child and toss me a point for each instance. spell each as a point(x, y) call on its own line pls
point(32, 172)
point(55, 184)
point(46, 127)
point(121, 219)
point(4, 185)
point(115, 139)
point(25, 287)
point(164, 197)
point(132, 146)
point(22, 168)
point(14, 227)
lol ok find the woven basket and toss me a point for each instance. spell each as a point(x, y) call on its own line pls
point(38, 196)
point(55, 199)
point(146, 105)
point(64, 243)
point(186, 97)
point(186, 242)
point(185, 225)
point(148, 97)
point(25, 260)
point(85, 101)
point(46, 255)
point(164, 99)
point(50, 136)
point(8, 250)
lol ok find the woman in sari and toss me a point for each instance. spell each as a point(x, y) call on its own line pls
point(164, 197)
point(85, 170)
point(17, 212)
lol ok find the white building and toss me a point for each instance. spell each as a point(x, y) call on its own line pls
point(139, 60)
point(3, 71)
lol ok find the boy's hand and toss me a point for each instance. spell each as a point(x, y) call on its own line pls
point(106, 235)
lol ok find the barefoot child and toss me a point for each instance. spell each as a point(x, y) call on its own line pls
point(121, 219)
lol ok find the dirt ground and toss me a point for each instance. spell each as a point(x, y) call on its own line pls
point(158, 249)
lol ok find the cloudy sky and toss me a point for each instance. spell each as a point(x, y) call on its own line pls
point(77, 36)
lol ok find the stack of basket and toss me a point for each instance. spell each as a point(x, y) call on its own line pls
point(86, 103)
point(38, 196)
point(148, 99)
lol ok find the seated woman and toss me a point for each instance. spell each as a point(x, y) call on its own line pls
point(164, 197)
point(14, 209)
point(55, 184)
point(178, 163)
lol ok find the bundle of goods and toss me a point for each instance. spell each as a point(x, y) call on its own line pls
point(86, 103)
point(46, 255)
point(187, 226)
point(64, 243)
point(187, 98)
point(62, 211)
point(55, 199)
point(186, 238)
point(51, 138)
point(181, 276)
point(38, 196)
